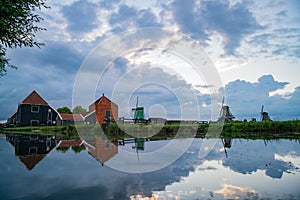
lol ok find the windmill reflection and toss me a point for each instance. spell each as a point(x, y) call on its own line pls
point(226, 144)
point(31, 148)
point(139, 145)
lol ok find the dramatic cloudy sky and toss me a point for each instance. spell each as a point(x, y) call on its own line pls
point(254, 45)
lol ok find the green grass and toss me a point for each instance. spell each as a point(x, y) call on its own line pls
point(68, 131)
point(251, 130)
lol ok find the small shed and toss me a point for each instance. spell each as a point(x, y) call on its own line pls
point(69, 119)
point(90, 117)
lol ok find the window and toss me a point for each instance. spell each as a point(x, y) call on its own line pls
point(107, 113)
point(35, 109)
point(34, 122)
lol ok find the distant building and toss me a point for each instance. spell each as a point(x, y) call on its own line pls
point(169, 122)
point(153, 120)
point(69, 119)
point(105, 110)
point(123, 120)
point(33, 111)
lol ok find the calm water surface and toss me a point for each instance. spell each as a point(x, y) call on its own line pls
point(33, 167)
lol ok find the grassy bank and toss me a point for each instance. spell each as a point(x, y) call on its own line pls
point(68, 131)
point(253, 130)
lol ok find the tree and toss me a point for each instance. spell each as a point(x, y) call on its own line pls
point(65, 110)
point(18, 26)
point(78, 149)
point(62, 149)
point(79, 109)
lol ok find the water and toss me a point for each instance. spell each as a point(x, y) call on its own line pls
point(47, 168)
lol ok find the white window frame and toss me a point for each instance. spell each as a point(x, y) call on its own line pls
point(38, 109)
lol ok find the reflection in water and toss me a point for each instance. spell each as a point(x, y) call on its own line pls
point(102, 149)
point(31, 149)
point(258, 158)
point(226, 144)
point(236, 192)
point(77, 145)
point(252, 170)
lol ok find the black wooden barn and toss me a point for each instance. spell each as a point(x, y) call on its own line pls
point(33, 111)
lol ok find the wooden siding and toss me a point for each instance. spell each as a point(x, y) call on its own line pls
point(25, 116)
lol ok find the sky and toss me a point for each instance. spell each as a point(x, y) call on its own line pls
point(251, 51)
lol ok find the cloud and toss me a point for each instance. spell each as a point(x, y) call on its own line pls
point(81, 16)
point(245, 99)
point(61, 55)
point(153, 86)
point(233, 22)
point(50, 71)
point(108, 4)
point(280, 43)
point(130, 17)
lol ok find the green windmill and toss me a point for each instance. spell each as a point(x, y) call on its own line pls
point(139, 116)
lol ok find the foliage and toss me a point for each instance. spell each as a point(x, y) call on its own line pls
point(4, 62)
point(78, 149)
point(62, 149)
point(65, 110)
point(18, 26)
point(71, 131)
point(79, 109)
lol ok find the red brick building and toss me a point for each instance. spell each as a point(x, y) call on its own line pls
point(105, 110)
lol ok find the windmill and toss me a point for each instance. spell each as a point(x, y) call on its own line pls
point(225, 114)
point(264, 115)
point(138, 113)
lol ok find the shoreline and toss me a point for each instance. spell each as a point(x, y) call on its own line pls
point(247, 130)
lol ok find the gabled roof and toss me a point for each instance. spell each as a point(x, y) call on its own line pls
point(102, 149)
point(34, 99)
point(86, 114)
point(31, 161)
point(101, 99)
point(71, 117)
